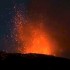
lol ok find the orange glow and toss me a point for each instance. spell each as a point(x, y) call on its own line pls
point(32, 38)
point(39, 44)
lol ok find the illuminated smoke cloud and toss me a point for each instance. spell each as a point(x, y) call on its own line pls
point(31, 37)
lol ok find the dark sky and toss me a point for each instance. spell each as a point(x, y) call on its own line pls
point(55, 12)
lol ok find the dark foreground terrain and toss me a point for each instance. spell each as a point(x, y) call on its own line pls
point(36, 60)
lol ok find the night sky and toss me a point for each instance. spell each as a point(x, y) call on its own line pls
point(53, 14)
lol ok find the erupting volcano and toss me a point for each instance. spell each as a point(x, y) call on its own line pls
point(31, 36)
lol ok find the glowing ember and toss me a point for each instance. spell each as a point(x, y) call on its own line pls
point(32, 38)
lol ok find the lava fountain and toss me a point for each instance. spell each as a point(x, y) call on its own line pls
point(31, 36)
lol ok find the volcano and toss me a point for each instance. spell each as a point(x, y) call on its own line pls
point(33, 59)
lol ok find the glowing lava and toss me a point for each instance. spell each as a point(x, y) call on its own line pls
point(39, 44)
point(32, 38)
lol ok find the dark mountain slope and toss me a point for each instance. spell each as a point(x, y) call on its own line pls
point(38, 60)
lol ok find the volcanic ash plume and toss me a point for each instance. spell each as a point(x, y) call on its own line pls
point(31, 37)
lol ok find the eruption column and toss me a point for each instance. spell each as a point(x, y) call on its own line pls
point(31, 37)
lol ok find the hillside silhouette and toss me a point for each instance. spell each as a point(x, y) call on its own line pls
point(33, 59)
